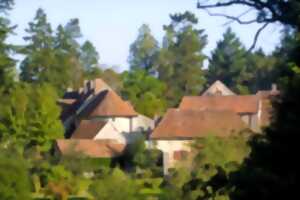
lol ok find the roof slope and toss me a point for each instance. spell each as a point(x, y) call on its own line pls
point(193, 123)
point(236, 103)
point(88, 129)
point(108, 104)
point(218, 88)
point(91, 148)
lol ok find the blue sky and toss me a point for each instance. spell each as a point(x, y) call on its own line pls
point(112, 25)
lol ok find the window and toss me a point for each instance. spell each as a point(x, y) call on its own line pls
point(180, 155)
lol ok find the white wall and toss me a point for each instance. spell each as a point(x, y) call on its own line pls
point(168, 147)
point(110, 132)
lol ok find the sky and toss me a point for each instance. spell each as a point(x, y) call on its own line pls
point(112, 25)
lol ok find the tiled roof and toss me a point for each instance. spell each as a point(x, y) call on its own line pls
point(108, 104)
point(99, 85)
point(188, 124)
point(91, 148)
point(236, 103)
point(88, 129)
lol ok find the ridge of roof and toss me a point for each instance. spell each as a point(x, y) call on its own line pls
point(107, 104)
point(236, 103)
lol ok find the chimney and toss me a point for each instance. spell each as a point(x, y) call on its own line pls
point(274, 87)
point(85, 86)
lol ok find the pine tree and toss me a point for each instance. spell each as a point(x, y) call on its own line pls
point(228, 63)
point(180, 61)
point(39, 52)
point(7, 63)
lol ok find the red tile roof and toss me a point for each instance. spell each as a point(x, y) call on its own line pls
point(88, 129)
point(91, 148)
point(236, 103)
point(187, 124)
point(108, 104)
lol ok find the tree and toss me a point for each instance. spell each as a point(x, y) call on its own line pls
point(52, 59)
point(113, 79)
point(68, 54)
point(180, 61)
point(145, 92)
point(277, 175)
point(30, 115)
point(143, 51)
point(228, 63)
point(14, 181)
point(263, 70)
point(39, 53)
point(114, 186)
point(89, 58)
point(7, 63)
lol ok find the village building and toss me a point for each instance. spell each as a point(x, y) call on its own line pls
point(248, 107)
point(178, 128)
point(218, 111)
point(97, 113)
point(89, 148)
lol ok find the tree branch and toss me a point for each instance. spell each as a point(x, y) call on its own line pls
point(237, 19)
point(256, 36)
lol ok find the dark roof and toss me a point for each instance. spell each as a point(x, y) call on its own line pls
point(88, 129)
point(236, 103)
point(91, 148)
point(188, 124)
point(107, 104)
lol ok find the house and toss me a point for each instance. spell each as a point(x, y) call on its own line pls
point(89, 148)
point(218, 89)
point(179, 127)
point(98, 112)
point(248, 107)
point(98, 130)
point(266, 97)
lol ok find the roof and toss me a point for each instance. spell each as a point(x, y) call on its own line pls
point(216, 88)
point(187, 124)
point(99, 85)
point(91, 148)
point(108, 104)
point(88, 129)
point(236, 103)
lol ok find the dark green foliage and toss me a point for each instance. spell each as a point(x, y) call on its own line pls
point(272, 172)
point(263, 71)
point(50, 58)
point(180, 61)
point(138, 158)
point(143, 51)
point(145, 92)
point(30, 115)
point(7, 63)
point(14, 182)
point(228, 63)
